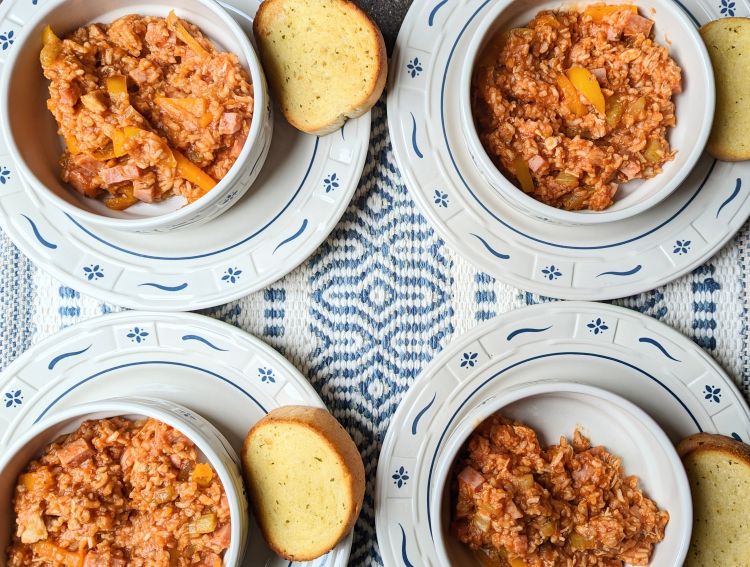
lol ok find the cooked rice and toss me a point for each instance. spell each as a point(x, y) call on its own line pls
point(567, 505)
point(577, 161)
point(209, 122)
point(117, 492)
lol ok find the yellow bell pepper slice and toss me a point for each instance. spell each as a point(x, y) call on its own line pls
point(118, 143)
point(181, 32)
point(202, 474)
point(72, 144)
point(570, 96)
point(585, 83)
point(600, 11)
point(117, 87)
point(49, 36)
point(51, 47)
point(523, 174)
point(191, 172)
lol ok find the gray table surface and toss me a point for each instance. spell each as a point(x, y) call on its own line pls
point(388, 14)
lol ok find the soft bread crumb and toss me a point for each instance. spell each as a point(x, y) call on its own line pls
point(719, 473)
point(306, 481)
point(325, 60)
point(728, 44)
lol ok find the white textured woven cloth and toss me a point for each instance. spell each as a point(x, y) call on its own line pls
point(374, 305)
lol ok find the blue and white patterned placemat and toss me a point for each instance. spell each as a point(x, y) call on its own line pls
point(380, 298)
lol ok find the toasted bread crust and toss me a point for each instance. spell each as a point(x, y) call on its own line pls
point(323, 424)
point(714, 442)
point(725, 38)
point(270, 10)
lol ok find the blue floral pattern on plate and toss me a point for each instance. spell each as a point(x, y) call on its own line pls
point(7, 39)
point(727, 8)
point(331, 182)
point(13, 399)
point(597, 326)
point(712, 393)
point(4, 175)
point(231, 275)
point(266, 375)
point(441, 199)
point(551, 272)
point(469, 359)
point(682, 247)
point(137, 335)
point(93, 272)
point(414, 67)
point(400, 477)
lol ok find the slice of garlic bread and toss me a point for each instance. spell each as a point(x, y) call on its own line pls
point(719, 471)
point(306, 481)
point(325, 60)
point(728, 44)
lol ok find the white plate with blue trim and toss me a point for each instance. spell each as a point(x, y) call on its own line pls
point(304, 187)
point(572, 262)
point(622, 351)
point(222, 373)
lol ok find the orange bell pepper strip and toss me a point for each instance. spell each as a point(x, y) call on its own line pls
point(196, 106)
point(72, 144)
point(600, 11)
point(191, 172)
point(181, 32)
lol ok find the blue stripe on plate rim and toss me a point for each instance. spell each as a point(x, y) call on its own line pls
point(144, 363)
point(519, 363)
point(506, 223)
point(215, 252)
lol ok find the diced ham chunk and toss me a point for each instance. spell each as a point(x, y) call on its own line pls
point(146, 189)
point(74, 453)
point(230, 123)
point(636, 24)
point(630, 169)
point(236, 149)
point(120, 173)
point(613, 33)
point(221, 536)
point(82, 172)
point(600, 73)
point(70, 93)
point(536, 163)
point(471, 478)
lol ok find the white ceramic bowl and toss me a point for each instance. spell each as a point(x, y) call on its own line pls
point(31, 131)
point(694, 108)
point(210, 443)
point(554, 409)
